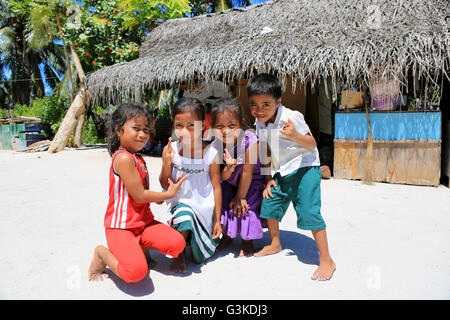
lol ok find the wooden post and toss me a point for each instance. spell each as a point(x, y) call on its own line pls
point(368, 176)
point(138, 96)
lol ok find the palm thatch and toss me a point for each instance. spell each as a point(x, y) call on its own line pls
point(302, 39)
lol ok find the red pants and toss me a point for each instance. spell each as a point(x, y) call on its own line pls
point(126, 245)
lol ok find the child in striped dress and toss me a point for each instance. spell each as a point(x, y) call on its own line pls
point(196, 207)
point(129, 223)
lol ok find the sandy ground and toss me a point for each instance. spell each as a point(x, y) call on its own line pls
point(388, 241)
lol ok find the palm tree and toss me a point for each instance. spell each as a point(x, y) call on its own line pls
point(23, 57)
point(222, 5)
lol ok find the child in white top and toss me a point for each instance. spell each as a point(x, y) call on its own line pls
point(197, 206)
point(295, 173)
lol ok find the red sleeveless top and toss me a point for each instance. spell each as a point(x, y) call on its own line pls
point(122, 211)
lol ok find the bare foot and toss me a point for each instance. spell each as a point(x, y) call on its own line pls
point(179, 264)
point(267, 250)
point(324, 271)
point(97, 267)
point(247, 249)
point(225, 242)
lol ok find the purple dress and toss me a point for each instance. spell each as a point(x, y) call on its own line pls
point(250, 226)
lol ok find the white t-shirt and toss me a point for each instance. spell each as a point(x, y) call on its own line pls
point(197, 190)
point(287, 155)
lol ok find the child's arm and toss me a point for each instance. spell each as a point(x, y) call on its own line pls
point(239, 202)
point(214, 172)
point(307, 141)
point(166, 170)
point(266, 162)
point(125, 168)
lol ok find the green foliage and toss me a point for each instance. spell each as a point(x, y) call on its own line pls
point(164, 112)
point(50, 109)
point(41, 17)
point(90, 135)
point(200, 7)
point(109, 32)
point(222, 5)
point(102, 32)
point(140, 12)
point(24, 45)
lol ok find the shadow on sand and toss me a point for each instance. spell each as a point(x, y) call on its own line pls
point(294, 243)
point(136, 289)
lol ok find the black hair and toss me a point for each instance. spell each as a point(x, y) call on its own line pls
point(207, 107)
point(264, 83)
point(230, 105)
point(187, 104)
point(124, 112)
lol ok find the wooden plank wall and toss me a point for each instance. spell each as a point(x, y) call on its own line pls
point(408, 162)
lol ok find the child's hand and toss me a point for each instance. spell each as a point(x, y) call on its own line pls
point(229, 161)
point(267, 192)
point(174, 186)
point(217, 230)
point(239, 206)
point(168, 156)
point(289, 130)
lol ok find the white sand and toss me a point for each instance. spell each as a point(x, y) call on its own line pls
point(388, 241)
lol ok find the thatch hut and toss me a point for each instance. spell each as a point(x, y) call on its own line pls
point(302, 41)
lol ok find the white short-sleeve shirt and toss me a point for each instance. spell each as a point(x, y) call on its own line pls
point(287, 155)
point(197, 190)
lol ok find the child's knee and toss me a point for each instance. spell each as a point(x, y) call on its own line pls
point(177, 245)
point(133, 273)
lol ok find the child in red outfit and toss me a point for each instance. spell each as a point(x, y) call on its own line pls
point(129, 222)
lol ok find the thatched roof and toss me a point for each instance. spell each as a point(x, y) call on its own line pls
point(303, 39)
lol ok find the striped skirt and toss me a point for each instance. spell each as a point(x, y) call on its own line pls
point(202, 244)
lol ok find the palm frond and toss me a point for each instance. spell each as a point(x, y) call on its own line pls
point(7, 40)
point(42, 26)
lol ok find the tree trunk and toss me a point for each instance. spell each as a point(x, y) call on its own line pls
point(78, 136)
point(77, 63)
point(38, 82)
point(74, 119)
point(70, 121)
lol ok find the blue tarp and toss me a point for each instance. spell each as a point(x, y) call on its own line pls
point(389, 125)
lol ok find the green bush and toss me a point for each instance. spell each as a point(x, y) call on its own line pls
point(90, 135)
point(50, 110)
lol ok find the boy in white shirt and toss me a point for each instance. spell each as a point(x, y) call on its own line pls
point(295, 169)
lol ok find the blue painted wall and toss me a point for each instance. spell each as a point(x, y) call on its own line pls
point(389, 125)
